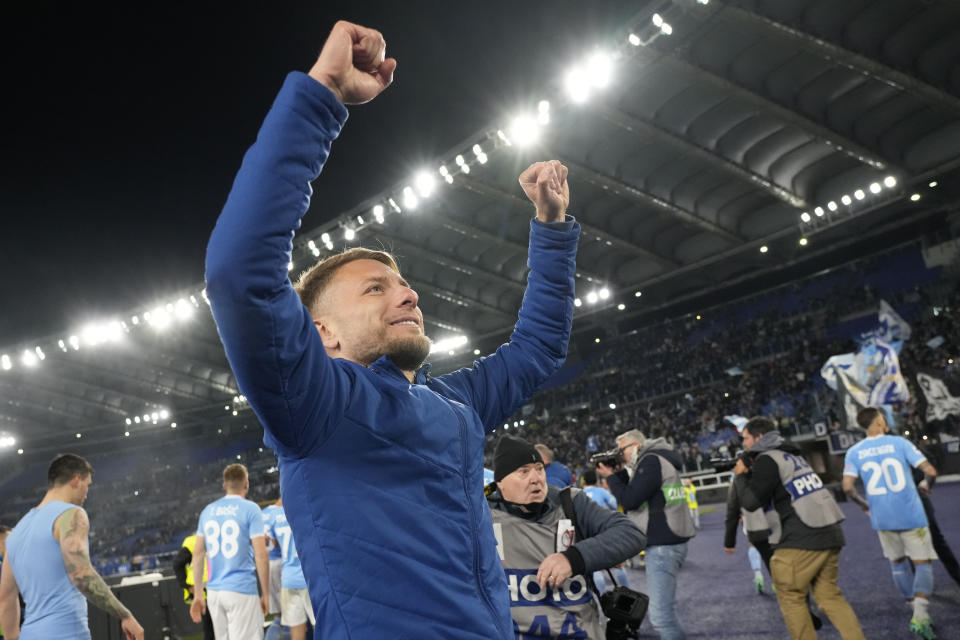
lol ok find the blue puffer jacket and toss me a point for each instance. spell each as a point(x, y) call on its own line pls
point(381, 479)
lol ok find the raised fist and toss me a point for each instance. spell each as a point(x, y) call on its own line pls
point(352, 63)
point(545, 183)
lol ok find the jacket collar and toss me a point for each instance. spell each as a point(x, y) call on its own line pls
point(385, 365)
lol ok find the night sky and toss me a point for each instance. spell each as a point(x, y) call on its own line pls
point(124, 127)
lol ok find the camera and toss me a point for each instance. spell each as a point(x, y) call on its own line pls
point(625, 609)
point(610, 458)
point(721, 465)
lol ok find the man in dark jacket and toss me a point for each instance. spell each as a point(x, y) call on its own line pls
point(651, 492)
point(558, 474)
point(547, 567)
point(807, 553)
point(379, 462)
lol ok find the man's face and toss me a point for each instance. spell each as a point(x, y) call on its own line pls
point(525, 485)
point(627, 447)
point(80, 485)
point(748, 440)
point(369, 311)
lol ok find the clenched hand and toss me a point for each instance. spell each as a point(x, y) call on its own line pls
point(353, 65)
point(545, 183)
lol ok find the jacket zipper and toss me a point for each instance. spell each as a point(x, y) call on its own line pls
point(473, 520)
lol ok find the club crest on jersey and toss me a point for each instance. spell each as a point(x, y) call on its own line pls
point(525, 592)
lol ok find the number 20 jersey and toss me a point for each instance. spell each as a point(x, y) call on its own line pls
point(884, 463)
point(227, 526)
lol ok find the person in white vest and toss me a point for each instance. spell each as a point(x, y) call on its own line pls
point(546, 563)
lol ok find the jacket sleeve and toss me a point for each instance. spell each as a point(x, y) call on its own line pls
point(733, 517)
point(180, 562)
point(643, 486)
point(756, 491)
point(609, 536)
point(497, 385)
point(269, 336)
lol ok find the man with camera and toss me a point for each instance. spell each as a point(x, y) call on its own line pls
point(651, 492)
point(550, 541)
point(807, 554)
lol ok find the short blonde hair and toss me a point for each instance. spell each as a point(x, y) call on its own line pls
point(235, 476)
point(314, 281)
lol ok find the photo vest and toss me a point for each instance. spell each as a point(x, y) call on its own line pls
point(569, 612)
point(809, 497)
point(675, 509)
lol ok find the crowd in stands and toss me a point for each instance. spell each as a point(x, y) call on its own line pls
point(760, 355)
point(677, 379)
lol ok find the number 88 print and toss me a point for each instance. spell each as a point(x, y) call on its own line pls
point(223, 538)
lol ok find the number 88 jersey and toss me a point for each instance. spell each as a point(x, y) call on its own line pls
point(884, 463)
point(228, 526)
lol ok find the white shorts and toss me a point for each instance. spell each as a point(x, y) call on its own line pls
point(295, 608)
point(276, 567)
point(915, 544)
point(236, 616)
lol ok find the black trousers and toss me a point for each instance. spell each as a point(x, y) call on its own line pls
point(939, 543)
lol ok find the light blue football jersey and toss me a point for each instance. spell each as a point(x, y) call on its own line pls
point(291, 576)
point(601, 496)
point(883, 462)
point(269, 512)
point(228, 525)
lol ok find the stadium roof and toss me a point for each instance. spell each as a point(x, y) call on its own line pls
point(705, 142)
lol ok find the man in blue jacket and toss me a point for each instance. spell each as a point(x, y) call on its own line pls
point(380, 464)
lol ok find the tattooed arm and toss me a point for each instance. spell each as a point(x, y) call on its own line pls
point(72, 528)
point(9, 602)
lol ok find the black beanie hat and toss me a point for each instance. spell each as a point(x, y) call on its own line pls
point(511, 454)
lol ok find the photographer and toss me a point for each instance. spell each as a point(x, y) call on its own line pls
point(548, 550)
point(650, 491)
point(808, 551)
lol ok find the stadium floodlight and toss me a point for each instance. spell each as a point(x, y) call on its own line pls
point(859, 194)
point(666, 29)
point(443, 170)
point(465, 168)
point(524, 130)
point(637, 294)
point(516, 424)
point(19, 452)
point(146, 417)
point(173, 425)
point(577, 83)
point(577, 302)
point(6, 441)
point(448, 179)
point(933, 183)
point(803, 242)
point(40, 354)
point(129, 421)
point(805, 216)
point(234, 412)
point(482, 158)
point(764, 249)
point(349, 234)
point(183, 309)
point(703, 2)
point(600, 69)
point(126, 433)
point(612, 405)
point(164, 414)
point(818, 211)
point(159, 318)
point(360, 220)
point(543, 106)
point(634, 39)
point(62, 344)
point(889, 182)
point(597, 340)
point(29, 358)
point(521, 423)
point(410, 200)
point(915, 197)
point(311, 245)
point(425, 183)
point(290, 266)
point(875, 187)
point(604, 293)
point(503, 137)
point(477, 150)
point(393, 205)
point(657, 20)
point(378, 213)
point(79, 435)
point(832, 205)
point(621, 307)
point(846, 200)
point(448, 344)
point(325, 237)
point(136, 419)
point(592, 297)
point(459, 160)
point(476, 352)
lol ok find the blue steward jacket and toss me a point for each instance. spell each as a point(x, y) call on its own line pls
point(381, 479)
